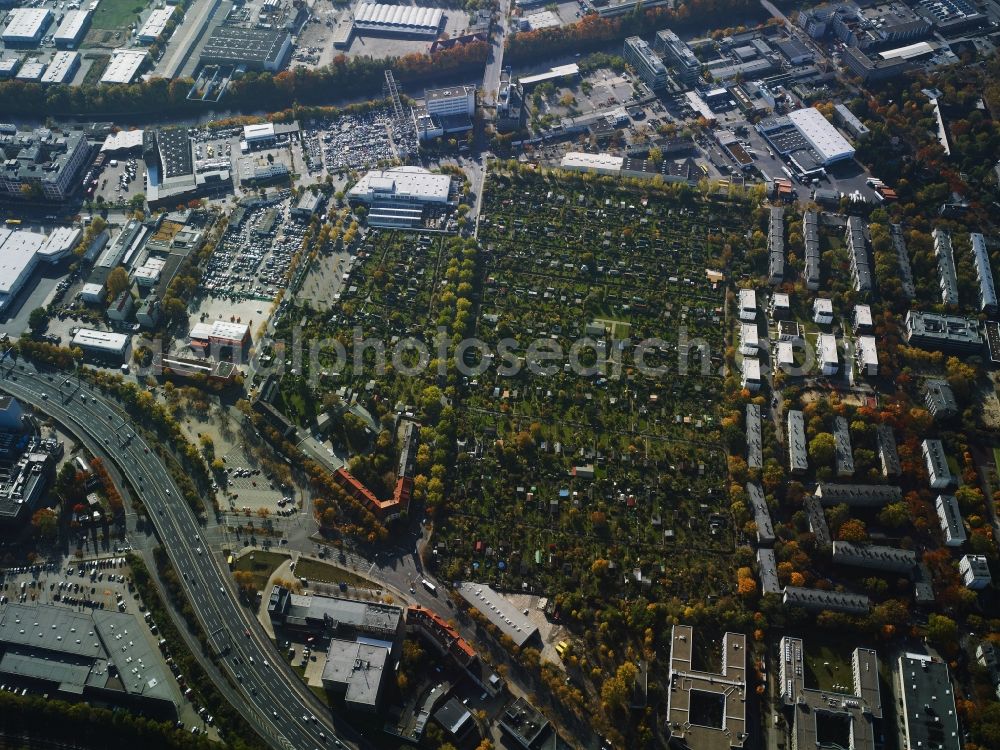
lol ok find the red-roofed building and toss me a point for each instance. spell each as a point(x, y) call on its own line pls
point(440, 633)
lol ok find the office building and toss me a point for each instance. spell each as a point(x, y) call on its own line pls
point(940, 399)
point(397, 20)
point(72, 29)
point(509, 103)
point(62, 67)
point(400, 196)
point(878, 68)
point(647, 65)
point(41, 160)
point(22, 486)
point(156, 23)
point(950, 516)
point(826, 354)
point(755, 450)
point(984, 274)
point(823, 311)
point(938, 472)
point(524, 724)
point(707, 709)
point(819, 600)
point(975, 571)
point(93, 655)
point(849, 122)
point(929, 715)
point(26, 26)
point(330, 616)
point(761, 514)
point(888, 455)
point(857, 251)
point(11, 414)
point(511, 621)
point(866, 356)
point(747, 304)
point(679, 56)
point(357, 670)
point(776, 244)
point(857, 495)
point(947, 277)
point(539, 19)
point(448, 110)
point(308, 205)
point(102, 344)
point(875, 557)
point(750, 377)
point(824, 138)
point(810, 237)
point(251, 48)
point(948, 333)
point(825, 718)
point(798, 457)
point(124, 65)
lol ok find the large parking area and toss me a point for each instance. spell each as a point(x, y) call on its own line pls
point(348, 142)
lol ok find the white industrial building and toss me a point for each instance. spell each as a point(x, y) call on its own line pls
point(20, 252)
point(72, 28)
point(32, 70)
point(398, 196)
point(26, 25)
point(398, 19)
point(102, 343)
point(542, 19)
point(62, 67)
point(124, 66)
point(579, 161)
point(824, 138)
point(155, 24)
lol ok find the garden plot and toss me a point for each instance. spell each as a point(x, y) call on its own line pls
point(568, 475)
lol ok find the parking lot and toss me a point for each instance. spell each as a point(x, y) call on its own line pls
point(121, 180)
point(348, 142)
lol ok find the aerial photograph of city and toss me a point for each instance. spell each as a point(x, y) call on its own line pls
point(499, 374)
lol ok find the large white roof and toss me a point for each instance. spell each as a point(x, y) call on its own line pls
point(62, 67)
point(26, 23)
point(582, 160)
point(412, 183)
point(72, 26)
point(123, 140)
point(123, 66)
point(400, 17)
point(107, 340)
point(822, 136)
point(18, 254)
point(155, 23)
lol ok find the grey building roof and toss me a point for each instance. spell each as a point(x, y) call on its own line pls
point(810, 237)
point(861, 706)
point(755, 448)
point(887, 453)
point(817, 600)
point(942, 332)
point(817, 520)
point(937, 460)
point(903, 259)
point(858, 495)
point(940, 399)
point(797, 456)
point(453, 716)
point(984, 272)
point(776, 244)
point(948, 278)
point(373, 618)
point(761, 514)
point(357, 668)
point(857, 249)
point(768, 567)
point(875, 556)
point(499, 611)
point(523, 722)
point(950, 516)
point(842, 443)
point(929, 716)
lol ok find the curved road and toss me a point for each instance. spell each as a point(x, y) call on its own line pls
point(274, 699)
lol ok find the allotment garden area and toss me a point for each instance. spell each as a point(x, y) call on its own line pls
point(589, 466)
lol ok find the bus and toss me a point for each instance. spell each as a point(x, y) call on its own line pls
point(13, 222)
point(429, 586)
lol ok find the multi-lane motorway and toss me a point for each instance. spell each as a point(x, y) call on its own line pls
point(272, 698)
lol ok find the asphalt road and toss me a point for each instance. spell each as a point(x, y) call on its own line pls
point(274, 700)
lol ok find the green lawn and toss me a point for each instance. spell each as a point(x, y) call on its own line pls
point(262, 565)
point(313, 570)
point(115, 15)
point(826, 668)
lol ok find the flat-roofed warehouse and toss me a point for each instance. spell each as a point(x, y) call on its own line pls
point(124, 66)
point(500, 611)
point(255, 49)
point(62, 68)
point(102, 343)
point(72, 28)
point(155, 24)
point(397, 19)
point(824, 138)
point(26, 25)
